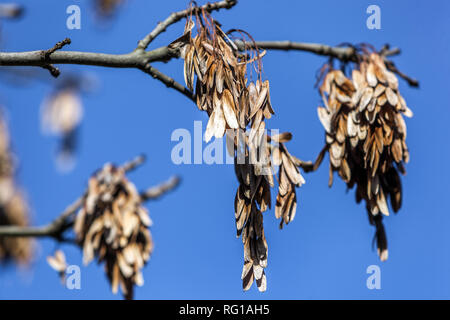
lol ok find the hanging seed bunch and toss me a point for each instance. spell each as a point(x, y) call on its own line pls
point(220, 74)
point(13, 207)
point(365, 136)
point(112, 226)
point(253, 197)
point(61, 115)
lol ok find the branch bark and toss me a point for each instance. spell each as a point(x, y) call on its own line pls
point(346, 53)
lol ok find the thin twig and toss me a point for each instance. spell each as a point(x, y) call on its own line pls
point(177, 16)
point(133, 164)
point(54, 71)
point(45, 55)
point(141, 59)
point(411, 81)
point(344, 54)
point(168, 81)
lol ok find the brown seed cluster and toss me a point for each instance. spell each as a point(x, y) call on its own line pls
point(221, 83)
point(365, 136)
point(112, 225)
point(218, 71)
point(13, 207)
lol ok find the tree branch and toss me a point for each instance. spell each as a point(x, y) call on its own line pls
point(134, 59)
point(156, 192)
point(141, 59)
point(411, 81)
point(56, 228)
point(45, 55)
point(346, 53)
point(53, 229)
point(59, 45)
point(177, 16)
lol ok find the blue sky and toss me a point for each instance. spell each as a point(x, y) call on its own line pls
point(325, 251)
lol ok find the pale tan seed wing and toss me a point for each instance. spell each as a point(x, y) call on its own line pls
point(210, 130)
point(58, 261)
point(229, 109)
point(325, 118)
point(219, 123)
point(370, 75)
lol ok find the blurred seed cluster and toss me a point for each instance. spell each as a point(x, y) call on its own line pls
point(112, 226)
point(14, 209)
point(61, 115)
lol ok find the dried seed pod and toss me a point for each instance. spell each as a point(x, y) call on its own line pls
point(112, 225)
point(365, 136)
point(59, 264)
